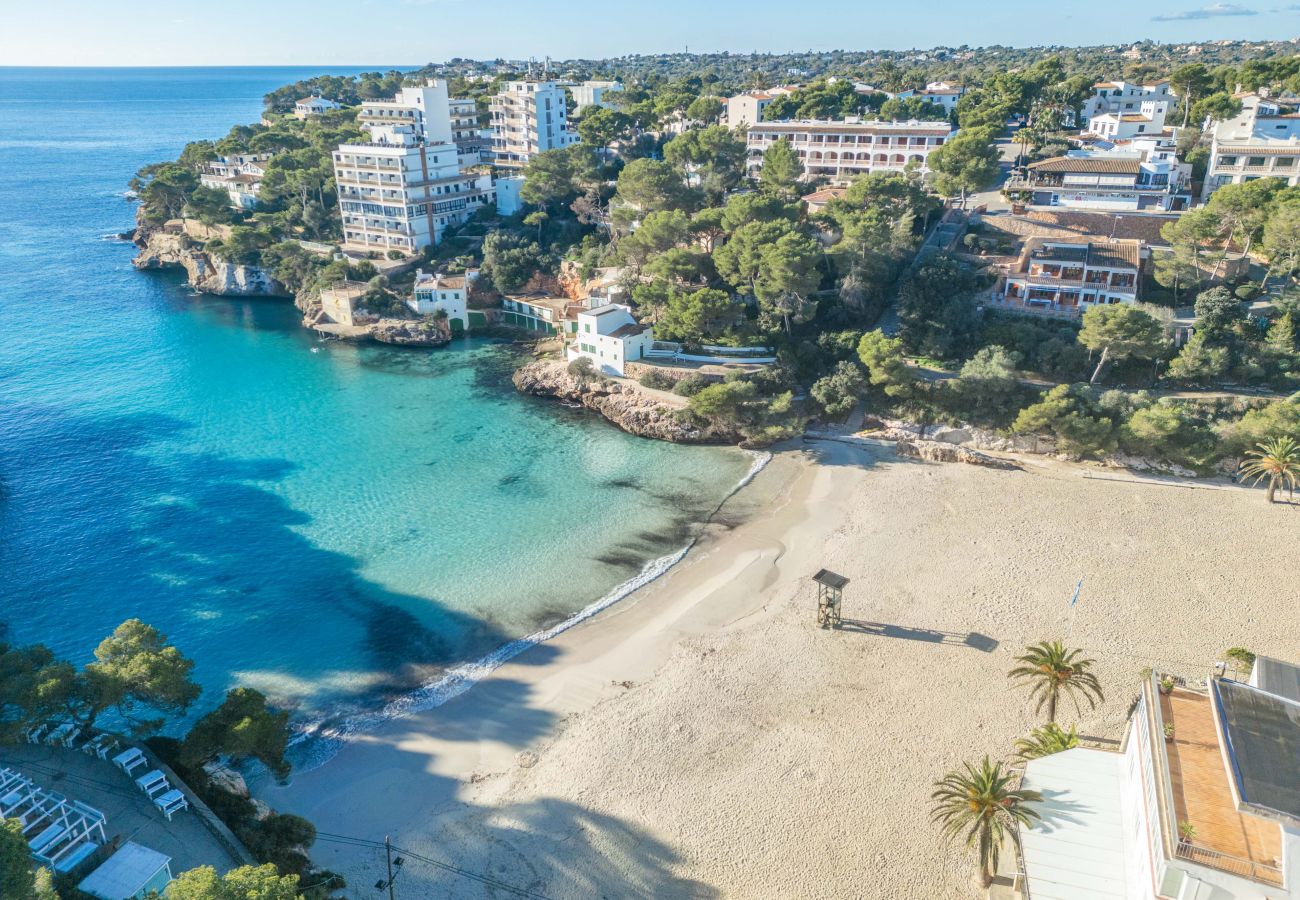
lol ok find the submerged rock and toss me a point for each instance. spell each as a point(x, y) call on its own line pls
point(622, 403)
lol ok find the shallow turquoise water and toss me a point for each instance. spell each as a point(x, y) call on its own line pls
point(327, 522)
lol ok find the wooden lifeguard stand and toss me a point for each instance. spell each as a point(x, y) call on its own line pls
point(830, 596)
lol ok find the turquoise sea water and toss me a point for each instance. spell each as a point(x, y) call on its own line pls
point(330, 523)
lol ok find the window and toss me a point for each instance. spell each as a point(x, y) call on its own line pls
point(1256, 161)
point(1227, 160)
point(1284, 162)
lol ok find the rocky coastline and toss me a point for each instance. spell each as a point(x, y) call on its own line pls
point(169, 247)
point(622, 403)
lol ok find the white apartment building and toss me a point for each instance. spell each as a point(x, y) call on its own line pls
point(1063, 278)
point(592, 93)
point(471, 146)
point(424, 111)
point(843, 149)
point(312, 106)
point(610, 337)
point(239, 175)
point(747, 108)
point(1261, 141)
point(1133, 175)
point(940, 93)
point(1200, 802)
point(1147, 121)
point(403, 188)
point(529, 117)
point(1121, 97)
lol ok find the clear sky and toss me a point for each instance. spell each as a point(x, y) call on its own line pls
point(409, 32)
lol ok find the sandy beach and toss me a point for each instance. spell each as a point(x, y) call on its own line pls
point(703, 738)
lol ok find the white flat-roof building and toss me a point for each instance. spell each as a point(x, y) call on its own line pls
point(471, 146)
point(1148, 120)
point(403, 188)
point(312, 106)
point(1201, 802)
point(529, 117)
point(843, 149)
point(940, 93)
point(1120, 97)
point(509, 200)
point(446, 293)
point(610, 337)
point(592, 93)
point(1133, 175)
point(747, 108)
point(1262, 141)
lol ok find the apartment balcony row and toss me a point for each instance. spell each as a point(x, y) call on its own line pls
point(1286, 170)
point(377, 225)
point(846, 140)
point(1049, 183)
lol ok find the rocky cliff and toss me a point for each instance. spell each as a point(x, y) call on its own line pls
point(633, 410)
point(411, 333)
point(161, 248)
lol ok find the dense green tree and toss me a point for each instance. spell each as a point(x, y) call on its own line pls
point(136, 670)
point(646, 186)
point(936, 309)
point(243, 883)
point(510, 260)
point(1200, 361)
point(659, 231)
point(788, 273)
point(1120, 332)
point(967, 162)
point(164, 189)
point(555, 178)
point(1051, 671)
point(886, 364)
point(1281, 243)
point(742, 209)
point(693, 317)
point(1066, 415)
point(781, 170)
point(903, 109)
point(987, 389)
point(681, 266)
point(33, 687)
point(837, 392)
point(242, 727)
point(1220, 107)
point(600, 127)
point(1171, 433)
point(1189, 82)
point(715, 156)
point(1280, 418)
point(705, 110)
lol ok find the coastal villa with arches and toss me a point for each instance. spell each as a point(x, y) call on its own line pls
point(850, 147)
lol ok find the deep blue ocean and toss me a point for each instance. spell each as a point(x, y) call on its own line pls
point(329, 523)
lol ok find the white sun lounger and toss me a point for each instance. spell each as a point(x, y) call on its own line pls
point(154, 782)
point(171, 802)
point(130, 759)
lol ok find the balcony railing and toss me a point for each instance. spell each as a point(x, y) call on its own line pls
point(1223, 862)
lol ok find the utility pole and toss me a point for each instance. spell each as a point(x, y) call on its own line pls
point(388, 883)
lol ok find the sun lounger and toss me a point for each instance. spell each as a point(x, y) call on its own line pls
point(152, 783)
point(130, 759)
point(171, 802)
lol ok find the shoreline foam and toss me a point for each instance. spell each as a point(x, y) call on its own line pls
point(325, 741)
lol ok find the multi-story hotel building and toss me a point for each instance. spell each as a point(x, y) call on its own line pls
point(843, 149)
point(1261, 141)
point(529, 117)
point(401, 189)
point(1134, 175)
point(747, 108)
point(1064, 277)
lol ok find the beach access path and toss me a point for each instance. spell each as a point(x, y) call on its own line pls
point(703, 738)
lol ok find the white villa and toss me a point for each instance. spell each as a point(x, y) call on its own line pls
point(312, 106)
point(1147, 121)
point(239, 175)
point(940, 93)
point(610, 337)
point(448, 293)
point(592, 93)
point(1201, 801)
point(1130, 175)
point(1120, 97)
point(843, 149)
point(747, 108)
point(1063, 277)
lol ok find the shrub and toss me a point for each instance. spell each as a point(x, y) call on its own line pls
point(396, 254)
point(582, 369)
point(661, 381)
point(690, 385)
point(1246, 291)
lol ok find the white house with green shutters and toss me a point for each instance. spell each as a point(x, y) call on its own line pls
point(611, 337)
point(448, 293)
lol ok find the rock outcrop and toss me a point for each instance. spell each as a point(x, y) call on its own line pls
point(411, 333)
point(160, 248)
point(623, 404)
point(939, 451)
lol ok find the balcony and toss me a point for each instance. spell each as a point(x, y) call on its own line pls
point(1224, 839)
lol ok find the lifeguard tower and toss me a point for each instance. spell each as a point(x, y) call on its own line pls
point(830, 596)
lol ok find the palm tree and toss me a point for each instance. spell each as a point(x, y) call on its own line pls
point(1046, 740)
point(982, 803)
point(1051, 670)
point(1277, 460)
